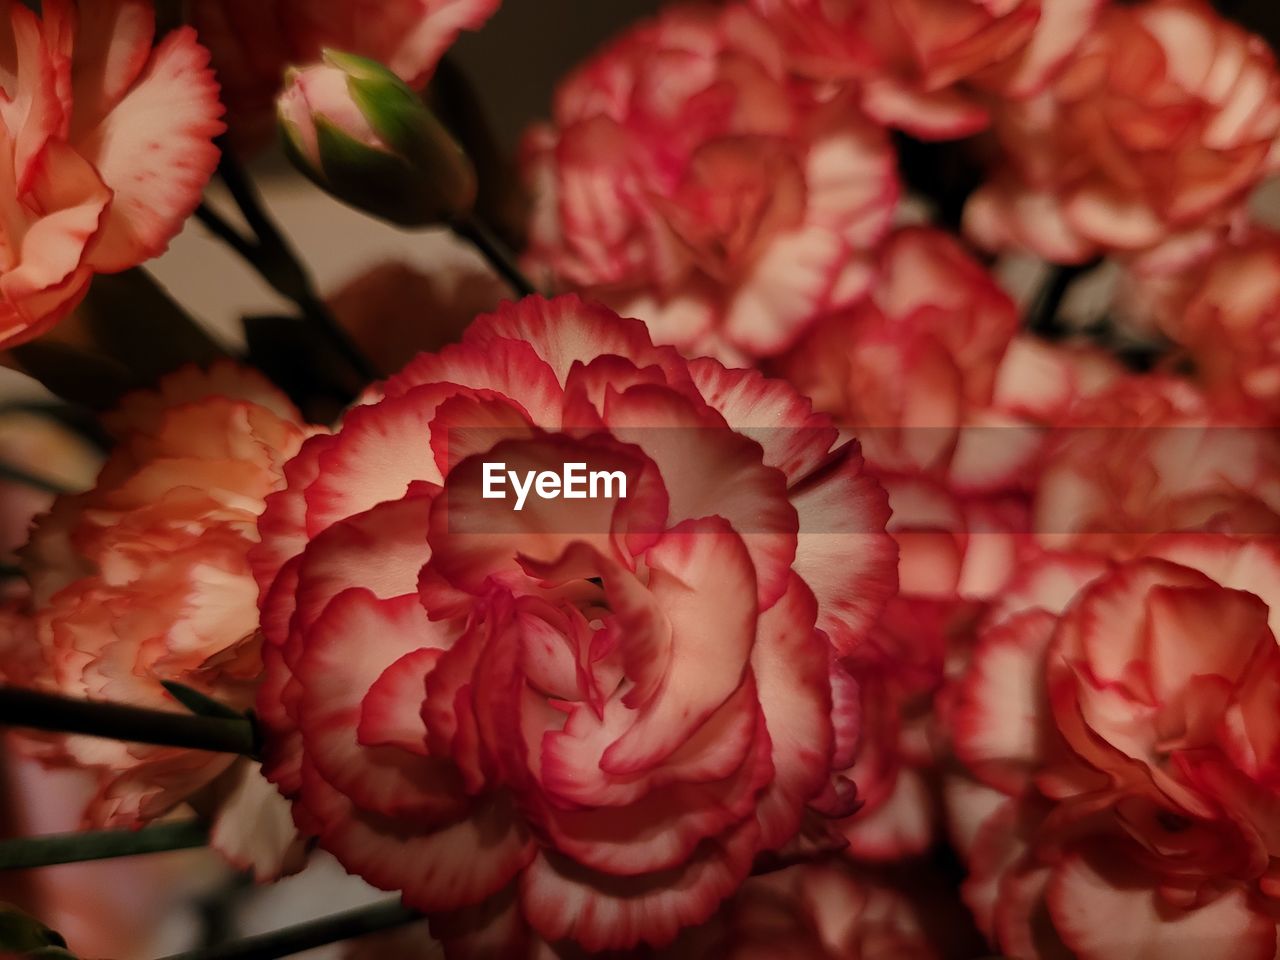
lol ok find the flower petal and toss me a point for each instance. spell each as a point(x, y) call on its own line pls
point(155, 150)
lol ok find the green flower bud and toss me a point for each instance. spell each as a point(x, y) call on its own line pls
point(366, 137)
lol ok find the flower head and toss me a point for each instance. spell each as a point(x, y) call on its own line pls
point(931, 66)
point(105, 147)
point(688, 180)
point(593, 712)
point(1120, 720)
point(1147, 145)
point(1224, 316)
point(948, 400)
point(1152, 454)
point(144, 579)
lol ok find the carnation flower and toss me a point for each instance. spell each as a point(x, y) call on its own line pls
point(1148, 143)
point(253, 41)
point(1152, 454)
point(1224, 315)
point(947, 399)
point(107, 145)
point(686, 179)
point(931, 67)
point(1120, 722)
point(144, 578)
point(914, 363)
point(583, 718)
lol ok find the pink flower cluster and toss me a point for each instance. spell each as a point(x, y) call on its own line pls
point(900, 549)
point(689, 179)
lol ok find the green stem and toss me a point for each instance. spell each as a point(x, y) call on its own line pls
point(1043, 318)
point(475, 232)
point(10, 473)
point(76, 419)
point(47, 711)
point(272, 256)
point(306, 936)
point(22, 853)
point(222, 228)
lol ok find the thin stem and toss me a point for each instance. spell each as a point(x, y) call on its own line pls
point(10, 473)
point(216, 224)
point(306, 936)
point(275, 260)
point(47, 711)
point(475, 232)
point(73, 418)
point(22, 853)
point(1043, 319)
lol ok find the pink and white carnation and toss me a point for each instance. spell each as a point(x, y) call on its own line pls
point(688, 180)
point(931, 67)
point(1147, 146)
point(584, 720)
point(1118, 728)
point(1152, 454)
point(1222, 317)
point(949, 403)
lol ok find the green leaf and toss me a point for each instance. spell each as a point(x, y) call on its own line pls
point(198, 703)
point(126, 334)
point(97, 382)
point(24, 934)
point(135, 322)
point(296, 356)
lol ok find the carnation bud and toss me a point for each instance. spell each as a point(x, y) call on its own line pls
point(366, 137)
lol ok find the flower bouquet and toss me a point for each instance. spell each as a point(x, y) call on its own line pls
point(831, 509)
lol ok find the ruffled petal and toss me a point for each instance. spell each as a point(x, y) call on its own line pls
point(155, 150)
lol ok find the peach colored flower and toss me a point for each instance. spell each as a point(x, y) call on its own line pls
point(1121, 724)
point(144, 578)
point(587, 717)
point(685, 179)
point(253, 41)
point(930, 66)
point(1148, 143)
point(105, 147)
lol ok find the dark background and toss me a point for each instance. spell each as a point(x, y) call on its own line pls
point(516, 60)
